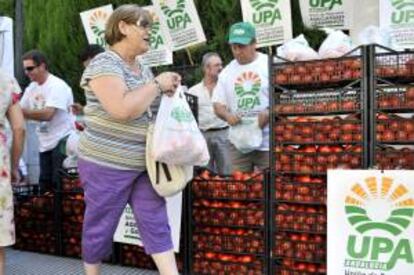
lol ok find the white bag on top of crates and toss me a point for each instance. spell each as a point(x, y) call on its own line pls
point(177, 138)
point(335, 45)
point(297, 49)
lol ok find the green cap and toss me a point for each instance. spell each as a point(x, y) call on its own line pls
point(242, 33)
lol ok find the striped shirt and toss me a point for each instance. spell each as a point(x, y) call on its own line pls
point(106, 140)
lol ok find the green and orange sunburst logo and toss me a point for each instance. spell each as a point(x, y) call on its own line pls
point(382, 206)
point(248, 83)
point(97, 22)
point(179, 8)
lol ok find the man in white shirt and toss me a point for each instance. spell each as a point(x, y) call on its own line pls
point(241, 97)
point(48, 100)
point(213, 128)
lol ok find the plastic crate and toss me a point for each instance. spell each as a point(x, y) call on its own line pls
point(246, 187)
point(395, 65)
point(300, 218)
point(326, 130)
point(238, 214)
point(228, 240)
point(395, 129)
point(387, 158)
point(317, 73)
point(227, 264)
point(395, 98)
point(318, 102)
point(301, 189)
point(309, 247)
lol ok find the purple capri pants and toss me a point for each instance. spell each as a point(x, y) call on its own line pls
point(107, 191)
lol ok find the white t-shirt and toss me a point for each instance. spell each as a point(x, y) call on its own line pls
point(52, 93)
point(244, 89)
point(207, 119)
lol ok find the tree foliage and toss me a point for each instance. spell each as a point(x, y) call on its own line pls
point(55, 28)
point(7, 8)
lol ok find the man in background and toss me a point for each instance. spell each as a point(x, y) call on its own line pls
point(214, 129)
point(47, 100)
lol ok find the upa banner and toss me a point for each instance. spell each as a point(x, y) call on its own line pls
point(94, 21)
point(127, 231)
point(371, 222)
point(335, 14)
point(159, 53)
point(397, 16)
point(179, 19)
point(271, 18)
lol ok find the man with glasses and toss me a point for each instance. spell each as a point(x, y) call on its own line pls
point(47, 100)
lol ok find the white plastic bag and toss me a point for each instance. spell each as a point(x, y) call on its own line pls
point(177, 139)
point(247, 135)
point(335, 45)
point(297, 49)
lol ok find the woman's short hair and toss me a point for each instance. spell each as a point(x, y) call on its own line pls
point(130, 14)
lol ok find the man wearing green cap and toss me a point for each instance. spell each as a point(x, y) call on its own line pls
point(241, 97)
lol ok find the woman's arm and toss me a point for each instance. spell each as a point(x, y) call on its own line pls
point(125, 105)
point(16, 119)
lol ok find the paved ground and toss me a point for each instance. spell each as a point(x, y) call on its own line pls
point(27, 263)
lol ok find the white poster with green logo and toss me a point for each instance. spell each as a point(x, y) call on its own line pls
point(335, 14)
point(159, 53)
point(371, 222)
point(398, 17)
point(179, 19)
point(271, 18)
point(127, 230)
point(94, 21)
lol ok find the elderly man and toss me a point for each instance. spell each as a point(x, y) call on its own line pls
point(241, 96)
point(214, 129)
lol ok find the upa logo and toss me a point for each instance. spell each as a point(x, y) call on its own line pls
point(265, 11)
point(380, 213)
point(403, 11)
point(97, 22)
point(176, 18)
point(156, 39)
point(181, 114)
point(325, 4)
point(247, 87)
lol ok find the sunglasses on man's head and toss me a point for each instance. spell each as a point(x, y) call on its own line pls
point(30, 68)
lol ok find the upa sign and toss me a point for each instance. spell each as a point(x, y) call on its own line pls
point(398, 17)
point(94, 21)
point(370, 222)
point(159, 53)
point(336, 14)
point(271, 18)
point(179, 19)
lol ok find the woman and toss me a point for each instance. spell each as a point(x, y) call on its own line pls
point(122, 97)
point(10, 109)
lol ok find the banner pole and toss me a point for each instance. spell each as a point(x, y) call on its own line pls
point(189, 56)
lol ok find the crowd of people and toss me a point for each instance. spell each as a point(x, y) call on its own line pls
point(122, 98)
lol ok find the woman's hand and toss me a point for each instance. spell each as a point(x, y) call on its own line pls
point(168, 81)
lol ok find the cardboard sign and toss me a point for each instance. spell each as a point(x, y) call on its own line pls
point(272, 20)
point(179, 19)
point(94, 21)
point(370, 222)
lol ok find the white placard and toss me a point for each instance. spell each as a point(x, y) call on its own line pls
point(335, 14)
point(159, 53)
point(271, 18)
point(94, 21)
point(371, 222)
point(6, 45)
point(179, 19)
point(397, 16)
point(127, 231)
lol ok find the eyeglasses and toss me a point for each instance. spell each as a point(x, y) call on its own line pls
point(30, 68)
point(144, 23)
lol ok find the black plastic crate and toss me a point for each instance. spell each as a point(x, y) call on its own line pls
point(395, 98)
point(393, 65)
point(300, 189)
point(227, 264)
point(229, 240)
point(240, 186)
point(309, 247)
point(291, 267)
point(300, 218)
point(70, 181)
